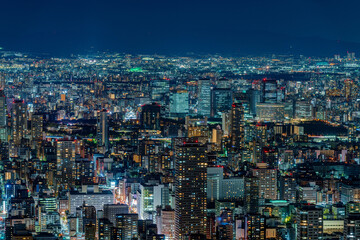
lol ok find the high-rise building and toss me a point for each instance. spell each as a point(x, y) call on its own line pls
point(104, 229)
point(251, 194)
point(214, 180)
point(65, 162)
point(166, 223)
point(159, 90)
point(221, 100)
point(251, 227)
point(179, 103)
point(103, 129)
point(237, 127)
point(18, 128)
point(37, 123)
point(149, 198)
point(18, 121)
point(2, 81)
point(269, 89)
point(204, 97)
point(111, 210)
point(267, 181)
point(303, 110)
point(288, 188)
point(3, 118)
point(127, 226)
point(90, 231)
point(309, 222)
point(150, 116)
point(352, 226)
point(190, 193)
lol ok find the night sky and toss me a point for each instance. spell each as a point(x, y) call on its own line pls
point(232, 27)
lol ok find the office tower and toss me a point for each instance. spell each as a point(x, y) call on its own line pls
point(349, 90)
point(309, 222)
point(221, 100)
point(190, 193)
point(149, 198)
point(166, 222)
point(65, 162)
point(197, 127)
point(237, 127)
point(104, 229)
point(83, 172)
point(204, 97)
point(214, 180)
point(226, 123)
point(256, 227)
point(148, 230)
point(18, 121)
point(127, 226)
point(3, 118)
point(288, 188)
point(111, 210)
point(267, 181)
point(251, 227)
point(350, 56)
point(37, 123)
point(243, 98)
point(88, 214)
point(269, 88)
point(90, 231)
point(352, 207)
point(159, 90)
point(270, 112)
point(2, 81)
point(223, 83)
point(150, 116)
point(103, 129)
point(179, 103)
point(224, 231)
point(254, 99)
point(352, 226)
point(303, 110)
point(251, 194)
point(90, 195)
point(232, 189)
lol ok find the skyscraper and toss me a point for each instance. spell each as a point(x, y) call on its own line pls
point(204, 97)
point(65, 159)
point(352, 226)
point(267, 181)
point(36, 129)
point(190, 193)
point(237, 126)
point(18, 121)
point(269, 91)
point(150, 116)
point(127, 226)
point(221, 99)
point(309, 222)
point(103, 129)
point(179, 103)
point(3, 118)
point(104, 229)
point(251, 194)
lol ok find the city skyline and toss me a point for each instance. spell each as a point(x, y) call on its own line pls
point(179, 120)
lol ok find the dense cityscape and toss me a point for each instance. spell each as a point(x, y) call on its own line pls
point(117, 146)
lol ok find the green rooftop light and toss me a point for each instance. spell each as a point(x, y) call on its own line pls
point(137, 69)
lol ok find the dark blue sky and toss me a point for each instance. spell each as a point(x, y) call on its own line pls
point(310, 27)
